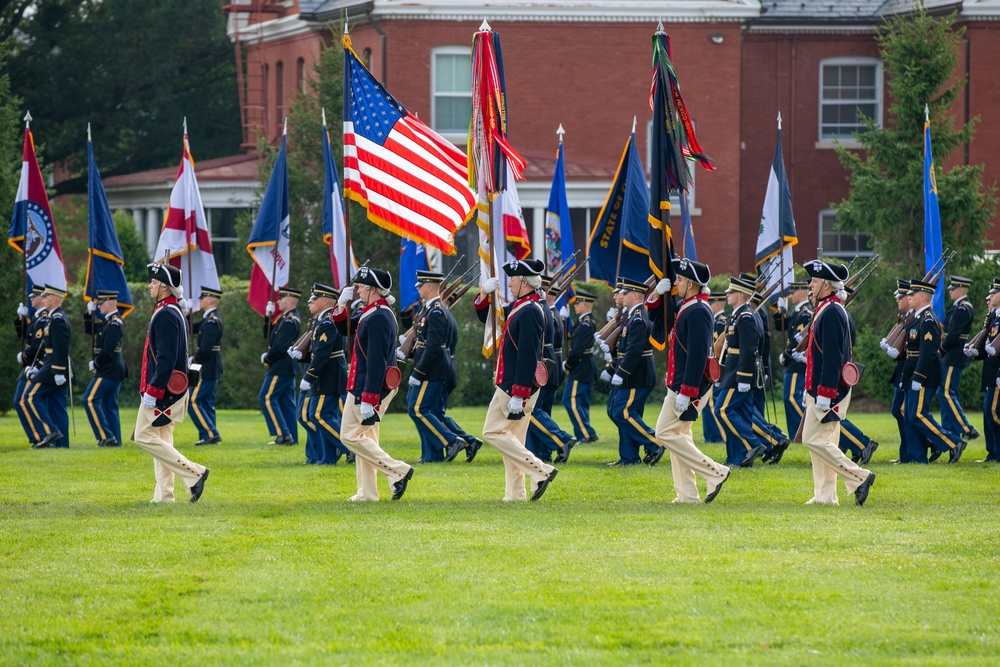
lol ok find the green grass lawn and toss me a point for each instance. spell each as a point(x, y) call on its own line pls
point(274, 566)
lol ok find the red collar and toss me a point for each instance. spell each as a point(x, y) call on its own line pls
point(533, 296)
point(375, 304)
point(165, 301)
point(700, 297)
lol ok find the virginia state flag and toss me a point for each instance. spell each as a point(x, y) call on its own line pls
point(268, 243)
point(334, 225)
point(932, 219)
point(104, 254)
point(617, 245)
point(32, 230)
point(412, 258)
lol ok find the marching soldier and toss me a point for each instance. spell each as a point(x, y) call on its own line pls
point(991, 375)
point(432, 370)
point(368, 396)
point(165, 353)
point(899, 392)
point(957, 324)
point(101, 396)
point(794, 324)
point(742, 372)
point(314, 443)
point(47, 387)
point(580, 368)
point(518, 350)
point(774, 440)
point(687, 387)
point(325, 381)
point(827, 400)
point(852, 439)
point(208, 353)
point(32, 331)
point(711, 428)
point(921, 376)
point(449, 386)
point(634, 377)
point(277, 393)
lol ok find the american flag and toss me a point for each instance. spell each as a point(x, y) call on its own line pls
point(412, 181)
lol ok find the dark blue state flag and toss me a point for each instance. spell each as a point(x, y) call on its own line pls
point(104, 253)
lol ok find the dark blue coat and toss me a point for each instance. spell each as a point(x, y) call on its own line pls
point(991, 365)
point(829, 351)
point(452, 345)
point(209, 350)
point(34, 349)
point(166, 350)
point(580, 364)
point(432, 360)
point(56, 341)
point(923, 351)
point(108, 332)
point(635, 363)
point(793, 324)
point(552, 346)
point(741, 350)
point(521, 347)
point(957, 325)
point(690, 342)
point(284, 333)
point(374, 350)
point(327, 363)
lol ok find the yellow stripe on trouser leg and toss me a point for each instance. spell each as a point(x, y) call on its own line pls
point(722, 413)
point(27, 414)
point(850, 436)
point(93, 411)
point(927, 422)
point(634, 423)
point(31, 404)
point(321, 421)
point(267, 402)
point(197, 413)
point(791, 395)
point(576, 412)
point(950, 399)
point(420, 415)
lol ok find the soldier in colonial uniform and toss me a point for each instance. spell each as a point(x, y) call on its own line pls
point(581, 370)
point(518, 350)
point(899, 392)
point(827, 398)
point(368, 398)
point(164, 353)
point(101, 396)
point(277, 393)
point(991, 376)
point(794, 324)
point(325, 381)
point(742, 372)
point(710, 427)
point(207, 353)
point(688, 389)
point(634, 378)
point(31, 329)
point(48, 386)
point(545, 436)
point(921, 377)
point(957, 325)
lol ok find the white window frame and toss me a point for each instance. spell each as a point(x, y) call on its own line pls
point(447, 51)
point(860, 252)
point(848, 141)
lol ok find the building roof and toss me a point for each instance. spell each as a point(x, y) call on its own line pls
point(242, 167)
point(866, 11)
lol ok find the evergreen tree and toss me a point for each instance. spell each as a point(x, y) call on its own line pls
point(133, 248)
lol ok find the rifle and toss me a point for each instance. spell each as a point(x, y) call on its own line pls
point(410, 337)
point(447, 276)
point(447, 290)
point(897, 335)
point(978, 342)
point(456, 296)
point(766, 295)
point(563, 269)
point(852, 285)
point(567, 284)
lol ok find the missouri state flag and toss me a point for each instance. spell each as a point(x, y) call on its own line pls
point(32, 231)
point(269, 238)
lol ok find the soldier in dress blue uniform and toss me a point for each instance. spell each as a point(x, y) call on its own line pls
point(771, 436)
point(31, 329)
point(688, 389)
point(314, 443)
point(101, 396)
point(710, 427)
point(899, 392)
point(794, 324)
point(277, 393)
point(545, 436)
point(325, 381)
point(368, 395)
point(433, 369)
point(48, 387)
point(208, 353)
point(957, 325)
point(827, 398)
point(742, 372)
point(921, 377)
point(991, 376)
point(581, 370)
point(518, 353)
point(473, 442)
point(633, 379)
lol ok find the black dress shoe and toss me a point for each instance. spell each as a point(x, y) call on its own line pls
point(935, 455)
point(861, 493)
point(47, 441)
point(653, 457)
point(593, 438)
point(112, 442)
point(351, 457)
point(203, 441)
point(214, 441)
point(622, 464)
point(779, 451)
point(710, 497)
point(453, 448)
point(563, 455)
point(544, 484)
point(973, 433)
point(869, 451)
point(399, 488)
point(199, 487)
point(473, 449)
point(751, 455)
point(102, 442)
point(956, 453)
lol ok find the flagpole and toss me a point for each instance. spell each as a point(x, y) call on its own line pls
point(187, 232)
point(621, 237)
point(90, 256)
point(275, 253)
point(24, 244)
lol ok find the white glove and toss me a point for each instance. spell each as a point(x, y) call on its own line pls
point(892, 352)
point(294, 353)
point(148, 401)
point(823, 403)
point(998, 383)
point(799, 336)
point(269, 308)
point(782, 304)
point(743, 387)
point(190, 360)
point(402, 337)
point(400, 356)
point(617, 380)
point(682, 402)
point(91, 307)
point(884, 344)
point(607, 357)
point(781, 358)
point(367, 410)
point(605, 376)
point(565, 368)
point(491, 285)
point(663, 286)
point(31, 373)
point(22, 310)
point(60, 379)
point(970, 352)
point(564, 313)
point(346, 296)
point(915, 386)
point(603, 344)
point(20, 357)
point(990, 350)
point(799, 357)
point(90, 366)
point(515, 405)
point(413, 382)
point(612, 313)
point(263, 358)
point(305, 385)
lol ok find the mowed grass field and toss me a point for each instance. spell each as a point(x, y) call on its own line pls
point(274, 566)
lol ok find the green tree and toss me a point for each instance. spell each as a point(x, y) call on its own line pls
point(133, 249)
